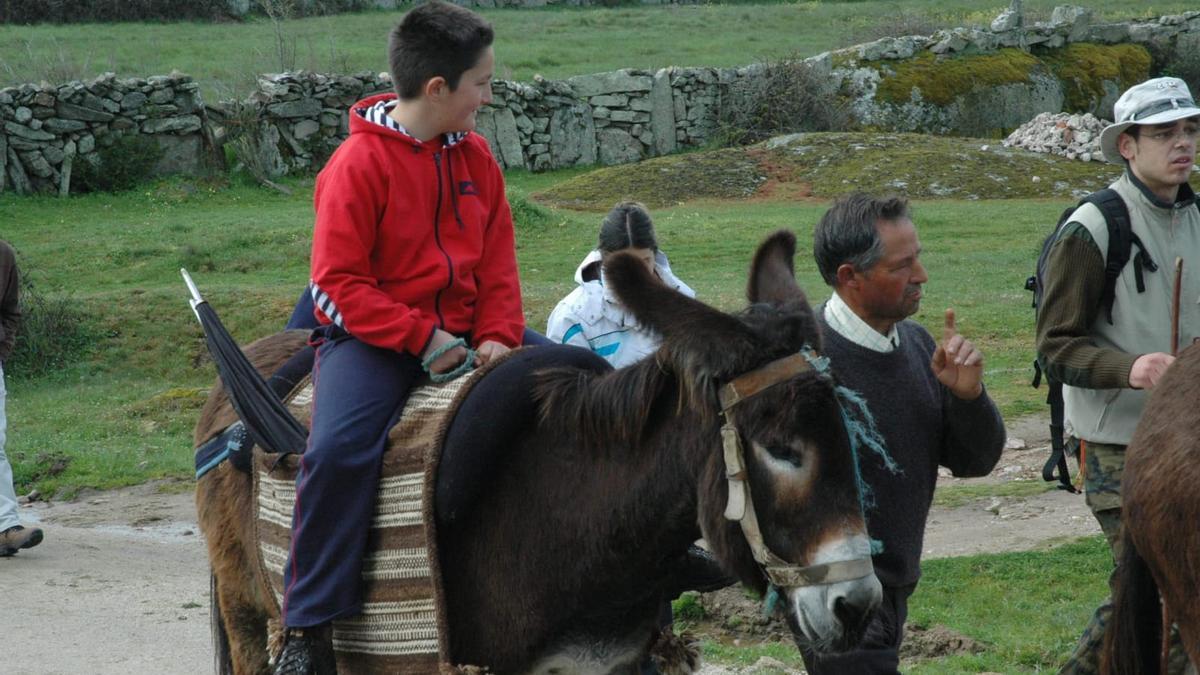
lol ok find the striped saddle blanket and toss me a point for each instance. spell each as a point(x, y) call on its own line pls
point(402, 628)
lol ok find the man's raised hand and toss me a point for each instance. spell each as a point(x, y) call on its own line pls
point(957, 363)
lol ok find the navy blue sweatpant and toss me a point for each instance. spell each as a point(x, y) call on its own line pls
point(358, 393)
point(302, 314)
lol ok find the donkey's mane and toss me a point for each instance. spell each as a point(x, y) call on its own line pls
point(614, 408)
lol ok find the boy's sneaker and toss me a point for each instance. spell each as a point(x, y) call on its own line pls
point(307, 651)
point(17, 537)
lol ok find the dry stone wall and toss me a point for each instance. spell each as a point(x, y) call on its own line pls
point(298, 119)
point(607, 118)
point(46, 130)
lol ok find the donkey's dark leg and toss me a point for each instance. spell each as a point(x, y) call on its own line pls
point(223, 500)
point(246, 627)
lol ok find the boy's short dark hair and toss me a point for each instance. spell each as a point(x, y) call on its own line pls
point(847, 233)
point(436, 39)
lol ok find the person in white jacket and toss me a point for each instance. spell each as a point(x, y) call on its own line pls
point(591, 316)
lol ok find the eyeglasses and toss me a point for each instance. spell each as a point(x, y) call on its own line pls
point(1170, 136)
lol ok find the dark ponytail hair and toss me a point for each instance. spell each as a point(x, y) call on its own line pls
point(628, 225)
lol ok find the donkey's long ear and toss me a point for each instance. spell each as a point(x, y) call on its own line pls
point(772, 275)
point(681, 320)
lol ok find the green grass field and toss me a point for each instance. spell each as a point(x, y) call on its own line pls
point(553, 42)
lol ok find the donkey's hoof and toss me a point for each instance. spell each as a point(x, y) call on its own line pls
point(676, 654)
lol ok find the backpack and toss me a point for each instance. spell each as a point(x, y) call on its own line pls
point(1121, 240)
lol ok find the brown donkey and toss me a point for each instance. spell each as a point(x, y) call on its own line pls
point(559, 567)
point(1160, 527)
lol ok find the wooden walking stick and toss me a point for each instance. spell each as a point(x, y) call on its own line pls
point(1175, 306)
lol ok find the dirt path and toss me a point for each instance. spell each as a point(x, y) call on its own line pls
point(120, 584)
point(1010, 523)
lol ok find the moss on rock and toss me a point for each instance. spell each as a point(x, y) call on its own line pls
point(1084, 68)
point(940, 80)
point(822, 166)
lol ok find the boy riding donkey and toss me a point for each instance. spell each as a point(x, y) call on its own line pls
point(414, 271)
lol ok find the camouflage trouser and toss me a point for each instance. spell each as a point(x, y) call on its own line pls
point(1102, 467)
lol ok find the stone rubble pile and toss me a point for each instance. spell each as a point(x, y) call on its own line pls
point(1074, 136)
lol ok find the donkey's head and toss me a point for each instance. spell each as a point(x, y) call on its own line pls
point(783, 509)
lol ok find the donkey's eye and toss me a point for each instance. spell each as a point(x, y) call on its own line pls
point(784, 454)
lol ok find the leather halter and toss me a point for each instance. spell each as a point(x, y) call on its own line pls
point(741, 506)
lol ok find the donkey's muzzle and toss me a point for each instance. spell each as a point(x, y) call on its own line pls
point(854, 619)
point(834, 618)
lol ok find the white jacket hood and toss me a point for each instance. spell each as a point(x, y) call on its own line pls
point(591, 316)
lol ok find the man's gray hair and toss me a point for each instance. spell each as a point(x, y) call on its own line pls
point(847, 232)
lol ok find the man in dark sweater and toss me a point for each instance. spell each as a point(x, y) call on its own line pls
point(928, 399)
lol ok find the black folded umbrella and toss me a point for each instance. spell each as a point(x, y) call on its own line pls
point(266, 417)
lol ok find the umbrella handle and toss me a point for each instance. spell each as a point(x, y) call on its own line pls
point(195, 299)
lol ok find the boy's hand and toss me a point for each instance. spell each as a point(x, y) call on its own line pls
point(448, 361)
point(489, 350)
point(957, 363)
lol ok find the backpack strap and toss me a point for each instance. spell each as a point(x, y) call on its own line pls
point(1121, 240)
point(1058, 457)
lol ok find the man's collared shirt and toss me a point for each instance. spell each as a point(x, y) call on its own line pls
point(849, 325)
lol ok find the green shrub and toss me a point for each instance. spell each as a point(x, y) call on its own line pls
point(788, 96)
point(55, 332)
point(124, 164)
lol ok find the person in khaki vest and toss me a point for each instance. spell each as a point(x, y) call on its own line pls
point(13, 536)
point(1107, 365)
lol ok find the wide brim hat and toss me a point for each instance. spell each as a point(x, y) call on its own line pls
point(1159, 101)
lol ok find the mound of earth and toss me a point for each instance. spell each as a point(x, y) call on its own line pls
point(822, 166)
point(935, 642)
point(731, 616)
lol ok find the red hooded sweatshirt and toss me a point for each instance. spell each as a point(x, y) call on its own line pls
point(411, 236)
